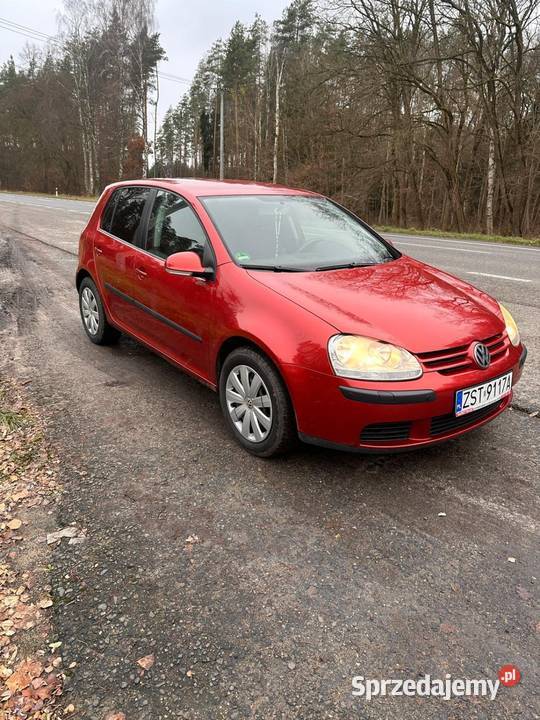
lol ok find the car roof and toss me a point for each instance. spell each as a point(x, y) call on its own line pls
point(201, 187)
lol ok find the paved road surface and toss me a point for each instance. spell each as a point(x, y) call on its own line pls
point(307, 570)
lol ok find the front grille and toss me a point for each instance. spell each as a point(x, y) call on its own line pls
point(386, 432)
point(456, 359)
point(448, 423)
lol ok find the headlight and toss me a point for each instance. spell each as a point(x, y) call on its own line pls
point(363, 358)
point(511, 327)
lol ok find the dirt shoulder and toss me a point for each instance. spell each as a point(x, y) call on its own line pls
point(31, 667)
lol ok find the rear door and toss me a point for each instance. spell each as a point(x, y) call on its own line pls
point(120, 259)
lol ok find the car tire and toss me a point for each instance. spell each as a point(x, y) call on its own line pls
point(95, 323)
point(261, 419)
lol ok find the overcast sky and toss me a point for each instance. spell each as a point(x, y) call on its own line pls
point(187, 27)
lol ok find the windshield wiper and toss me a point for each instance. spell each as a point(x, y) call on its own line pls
point(344, 265)
point(274, 268)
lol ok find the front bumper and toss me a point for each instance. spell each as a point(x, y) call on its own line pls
point(366, 416)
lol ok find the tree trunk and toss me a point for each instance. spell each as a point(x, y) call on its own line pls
point(279, 74)
point(214, 140)
point(490, 183)
point(90, 167)
point(84, 147)
point(236, 134)
point(155, 121)
point(144, 112)
point(256, 132)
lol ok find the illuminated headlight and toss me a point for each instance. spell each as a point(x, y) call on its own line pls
point(362, 358)
point(511, 327)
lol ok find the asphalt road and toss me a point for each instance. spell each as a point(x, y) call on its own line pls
point(305, 571)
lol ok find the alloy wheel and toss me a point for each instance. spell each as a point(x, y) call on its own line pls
point(249, 403)
point(89, 310)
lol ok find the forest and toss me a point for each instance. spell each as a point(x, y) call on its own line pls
point(413, 113)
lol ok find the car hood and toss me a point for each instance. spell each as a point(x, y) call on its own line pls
point(404, 302)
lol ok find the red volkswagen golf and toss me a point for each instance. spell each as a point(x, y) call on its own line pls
point(304, 320)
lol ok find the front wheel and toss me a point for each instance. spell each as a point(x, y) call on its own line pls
point(93, 317)
point(256, 404)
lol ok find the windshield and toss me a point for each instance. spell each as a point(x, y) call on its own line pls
point(293, 233)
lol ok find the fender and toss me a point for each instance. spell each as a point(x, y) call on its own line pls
point(283, 330)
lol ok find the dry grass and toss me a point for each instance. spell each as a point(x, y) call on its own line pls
point(433, 232)
point(89, 198)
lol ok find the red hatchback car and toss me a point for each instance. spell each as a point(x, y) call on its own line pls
point(305, 320)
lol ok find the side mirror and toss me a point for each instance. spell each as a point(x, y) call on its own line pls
point(187, 263)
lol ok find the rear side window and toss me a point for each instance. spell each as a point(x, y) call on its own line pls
point(174, 227)
point(108, 213)
point(128, 212)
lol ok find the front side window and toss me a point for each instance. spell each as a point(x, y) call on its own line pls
point(128, 212)
point(294, 232)
point(173, 227)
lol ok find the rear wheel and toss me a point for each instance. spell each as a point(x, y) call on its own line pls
point(93, 317)
point(256, 404)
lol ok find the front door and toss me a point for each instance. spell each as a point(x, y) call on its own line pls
point(181, 304)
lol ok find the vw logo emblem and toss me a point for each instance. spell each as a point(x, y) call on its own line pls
point(481, 355)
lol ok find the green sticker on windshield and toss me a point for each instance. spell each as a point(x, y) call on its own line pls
point(242, 256)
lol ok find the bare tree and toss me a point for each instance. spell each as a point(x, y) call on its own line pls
point(416, 113)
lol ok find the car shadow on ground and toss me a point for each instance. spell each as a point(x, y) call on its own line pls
point(458, 460)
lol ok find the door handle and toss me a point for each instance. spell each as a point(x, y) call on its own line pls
point(141, 273)
point(98, 250)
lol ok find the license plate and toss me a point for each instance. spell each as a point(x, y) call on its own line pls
point(479, 396)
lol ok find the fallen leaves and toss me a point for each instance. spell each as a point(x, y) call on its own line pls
point(29, 689)
point(30, 686)
point(24, 674)
point(115, 716)
point(146, 662)
point(25, 616)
